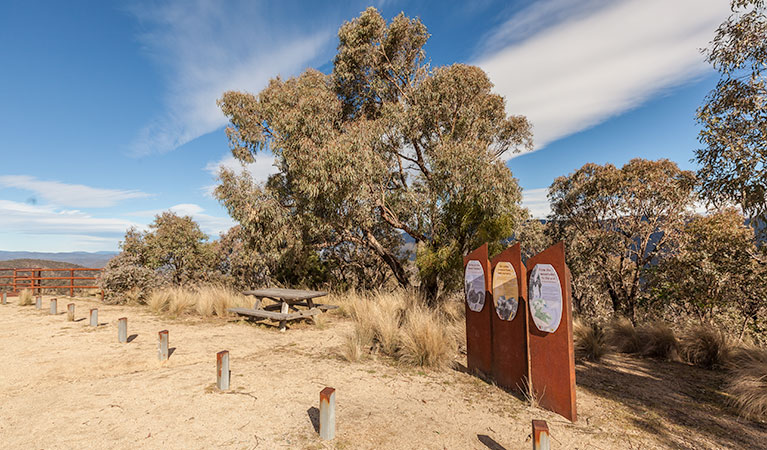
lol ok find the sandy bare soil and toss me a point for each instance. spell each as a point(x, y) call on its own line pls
point(67, 385)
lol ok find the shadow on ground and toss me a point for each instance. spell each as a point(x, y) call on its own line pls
point(683, 405)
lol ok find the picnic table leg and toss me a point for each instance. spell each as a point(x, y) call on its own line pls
point(283, 310)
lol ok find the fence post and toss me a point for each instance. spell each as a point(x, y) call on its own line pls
point(541, 440)
point(72, 282)
point(122, 330)
point(328, 413)
point(94, 317)
point(162, 353)
point(14, 280)
point(54, 310)
point(71, 312)
point(222, 370)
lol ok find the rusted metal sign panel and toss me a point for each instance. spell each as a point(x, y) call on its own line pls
point(476, 281)
point(552, 361)
point(509, 317)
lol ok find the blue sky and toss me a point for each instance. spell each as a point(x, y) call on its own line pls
point(108, 115)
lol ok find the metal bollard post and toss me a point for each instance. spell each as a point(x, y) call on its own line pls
point(39, 303)
point(163, 345)
point(54, 309)
point(122, 330)
point(5, 298)
point(94, 317)
point(71, 312)
point(541, 439)
point(222, 370)
point(328, 413)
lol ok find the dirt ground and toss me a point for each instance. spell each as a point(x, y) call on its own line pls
point(68, 385)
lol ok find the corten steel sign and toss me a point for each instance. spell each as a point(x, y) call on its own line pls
point(479, 347)
point(550, 336)
point(510, 321)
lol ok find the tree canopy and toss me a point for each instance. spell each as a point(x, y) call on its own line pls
point(382, 147)
point(733, 160)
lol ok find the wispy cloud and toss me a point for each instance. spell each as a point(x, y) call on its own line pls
point(570, 65)
point(206, 48)
point(70, 195)
point(537, 202)
point(33, 219)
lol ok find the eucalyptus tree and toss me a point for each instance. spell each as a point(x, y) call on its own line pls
point(733, 160)
point(383, 146)
point(617, 222)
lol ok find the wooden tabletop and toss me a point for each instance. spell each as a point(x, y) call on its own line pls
point(285, 294)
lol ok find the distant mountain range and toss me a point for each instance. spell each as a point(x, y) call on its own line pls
point(84, 259)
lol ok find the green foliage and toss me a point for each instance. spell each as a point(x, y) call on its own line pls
point(382, 146)
point(616, 223)
point(174, 251)
point(734, 115)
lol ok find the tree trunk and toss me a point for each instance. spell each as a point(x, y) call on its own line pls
point(388, 258)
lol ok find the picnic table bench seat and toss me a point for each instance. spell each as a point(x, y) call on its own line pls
point(286, 299)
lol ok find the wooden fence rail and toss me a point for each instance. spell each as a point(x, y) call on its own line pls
point(33, 279)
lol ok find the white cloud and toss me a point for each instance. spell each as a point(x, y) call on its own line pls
point(537, 202)
point(71, 195)
point(18, 217)
point(211, 225)
point(208, 48)
point(582, 63)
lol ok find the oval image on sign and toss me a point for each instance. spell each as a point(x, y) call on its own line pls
point(505, 291)
point(545, 294)
point(474, 283)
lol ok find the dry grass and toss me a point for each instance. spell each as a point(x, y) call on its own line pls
point(399, 325)
point(589, 340)
point(26, 298)
point(747, 385)
point(706, 347)
point(654, 340)
point(658, 341)
point(622, 336)
point(206, 300)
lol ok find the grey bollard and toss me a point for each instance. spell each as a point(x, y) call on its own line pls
point(328, 413)
point(222, 370)
point(162, 353)
point(54, 309)
point(122, 330)
point(71, 312)
point(39, 303)
point(5, 298)
point(94, 317)
point(541, 438)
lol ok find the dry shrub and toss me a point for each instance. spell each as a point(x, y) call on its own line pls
point(622, 336)
point(706, 347)
point(26, 298)
point(589, 340)
point(747, 384)
point(398, 324)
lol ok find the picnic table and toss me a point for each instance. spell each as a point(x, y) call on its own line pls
point(285, 301)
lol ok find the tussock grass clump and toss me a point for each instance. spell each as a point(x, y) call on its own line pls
point(590, 341)
point(747, 384)
point(622, 336)
point(658, 341)
point(206, 300)
point(400, 325)
point(706, 347)
point(26, 298)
